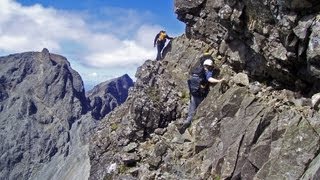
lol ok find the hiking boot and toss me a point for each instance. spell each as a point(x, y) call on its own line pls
point(183, 127)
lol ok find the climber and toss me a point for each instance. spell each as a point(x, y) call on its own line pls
point(160, 40)
point(201, 77)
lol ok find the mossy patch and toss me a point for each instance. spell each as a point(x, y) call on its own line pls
point(216, 177)
point(108, 177)
point(154, 94)
point(114, 126)
point(185, 97)
point(122, 169)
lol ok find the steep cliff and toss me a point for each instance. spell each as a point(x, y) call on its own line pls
point(262, 124)
point(41, 98)
point(108, 95)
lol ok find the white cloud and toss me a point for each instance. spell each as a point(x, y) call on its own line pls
point(146, 34)
point(130, 53)
point(31, 28)
point(35, 27)
point(94, 74)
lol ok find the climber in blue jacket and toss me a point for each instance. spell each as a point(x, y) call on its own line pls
point(201, 78)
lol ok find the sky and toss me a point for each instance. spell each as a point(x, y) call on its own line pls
point(102, 39)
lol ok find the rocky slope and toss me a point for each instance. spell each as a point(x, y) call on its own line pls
point(45, 117)
point(108, 95)
point(262, 124)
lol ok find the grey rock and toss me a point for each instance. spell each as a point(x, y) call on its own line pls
point(112, 168)
point(255, 87)
point(266, 44)
point(130, 159)
point(130, 147)
point(241, 79)
point(42, 102)
point(301, 30)
point(313, 171)
point(315, 99)
point(160, 149)
point(296, 4)
point(108, 95)
point(303, 102)
point(225, 12)
point(314, 49)
point(160, 131)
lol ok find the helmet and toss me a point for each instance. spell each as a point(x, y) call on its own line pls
point(208, 62)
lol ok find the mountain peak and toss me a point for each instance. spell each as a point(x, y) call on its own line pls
point(45, 51)
point(41, 98)
point(107, 95)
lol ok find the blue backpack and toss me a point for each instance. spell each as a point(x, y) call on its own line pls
point(197, 83)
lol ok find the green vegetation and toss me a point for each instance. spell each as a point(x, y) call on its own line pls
point(217, 177)
point(154, 94)
point(108, 177)
point(185, 97)
point(123, 169)
point(114, 126)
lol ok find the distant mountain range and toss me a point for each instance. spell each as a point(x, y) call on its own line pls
point(45, 116)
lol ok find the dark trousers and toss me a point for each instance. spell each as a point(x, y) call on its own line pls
point(194, 103)
point(160, 46)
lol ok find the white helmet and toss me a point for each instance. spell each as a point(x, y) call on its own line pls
point(208, 62)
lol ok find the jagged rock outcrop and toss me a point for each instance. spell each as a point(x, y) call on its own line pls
point(106, 96)
point(42, 133)
point(262, 124)
point(151, 105)
point(268, 39)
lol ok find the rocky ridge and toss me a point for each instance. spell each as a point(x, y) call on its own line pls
point(262, 124)
point(108, 95)
point(45, 117)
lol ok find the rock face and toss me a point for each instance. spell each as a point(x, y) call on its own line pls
point(108, 95)
point(268, 39)
point(41, 102)
point(152, 104)
point(262, 124)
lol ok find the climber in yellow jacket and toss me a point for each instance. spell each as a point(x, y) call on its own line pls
point(160, 41)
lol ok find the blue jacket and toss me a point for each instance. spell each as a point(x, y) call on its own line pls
point(209, 74)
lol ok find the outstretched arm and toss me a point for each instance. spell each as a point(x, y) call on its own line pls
point(210, 79)
point(168, 37)
point(213, 80)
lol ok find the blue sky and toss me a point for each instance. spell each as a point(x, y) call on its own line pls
point(102, 39)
